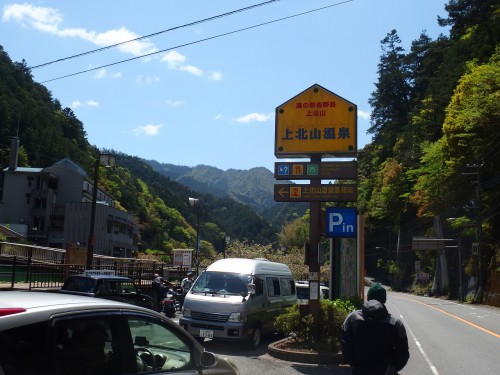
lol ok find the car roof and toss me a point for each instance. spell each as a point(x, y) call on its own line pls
point(305, 284)
point(102, 277)
point(41, 306)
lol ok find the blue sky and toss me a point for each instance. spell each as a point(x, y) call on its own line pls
point(211, 102)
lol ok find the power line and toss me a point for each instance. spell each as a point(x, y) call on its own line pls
point(155, 34)
point(198, 41)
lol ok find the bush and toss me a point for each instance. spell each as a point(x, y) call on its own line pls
point(301, 329)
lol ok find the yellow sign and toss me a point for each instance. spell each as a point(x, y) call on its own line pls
point(316, 121)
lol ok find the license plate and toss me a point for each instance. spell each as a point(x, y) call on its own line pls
point(208, 334)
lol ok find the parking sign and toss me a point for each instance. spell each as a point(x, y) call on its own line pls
point(341, 222)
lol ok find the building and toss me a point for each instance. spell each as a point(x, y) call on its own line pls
point(52, 207)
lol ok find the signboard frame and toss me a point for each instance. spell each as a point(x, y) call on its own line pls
point(315, 193)
point(325, 170)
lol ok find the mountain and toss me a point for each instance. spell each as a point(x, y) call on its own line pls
point(253, 187)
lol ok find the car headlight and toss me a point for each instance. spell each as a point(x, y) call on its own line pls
point(236, 317)
point(186, 311)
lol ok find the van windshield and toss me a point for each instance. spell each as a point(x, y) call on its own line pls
point(221, 283)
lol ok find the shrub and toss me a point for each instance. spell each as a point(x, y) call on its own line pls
point(301, 329)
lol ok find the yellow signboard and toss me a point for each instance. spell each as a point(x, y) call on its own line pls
point(316, 121)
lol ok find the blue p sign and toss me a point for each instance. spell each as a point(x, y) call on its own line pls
point(341, 222)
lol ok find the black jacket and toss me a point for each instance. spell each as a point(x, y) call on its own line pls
point(372, 339)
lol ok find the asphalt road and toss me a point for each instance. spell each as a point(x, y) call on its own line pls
point(448, 338)
point(445, 338)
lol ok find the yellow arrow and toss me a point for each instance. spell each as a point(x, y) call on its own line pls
point(283, 192)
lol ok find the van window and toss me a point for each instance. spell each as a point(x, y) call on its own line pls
point(273, 286)
point(221, 282)
point(287, 286)
point(259, 286)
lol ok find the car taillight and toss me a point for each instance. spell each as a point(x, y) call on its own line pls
point(11, 310)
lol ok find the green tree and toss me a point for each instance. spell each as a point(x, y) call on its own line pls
point(390, 101)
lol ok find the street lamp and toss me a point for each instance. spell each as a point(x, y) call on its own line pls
point(194, 202)
point(106, 160)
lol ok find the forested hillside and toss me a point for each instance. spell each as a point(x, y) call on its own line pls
point(433, 168)
point(254, 188)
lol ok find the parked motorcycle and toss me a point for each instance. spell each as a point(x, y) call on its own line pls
point(168, 306)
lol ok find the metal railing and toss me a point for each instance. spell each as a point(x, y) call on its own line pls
point(32, 267)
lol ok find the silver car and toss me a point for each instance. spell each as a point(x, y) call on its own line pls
point(57, 334)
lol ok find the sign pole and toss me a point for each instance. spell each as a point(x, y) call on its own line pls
point(314, 269)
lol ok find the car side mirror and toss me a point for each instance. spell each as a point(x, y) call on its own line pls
point(208, 359)
point(251, 288)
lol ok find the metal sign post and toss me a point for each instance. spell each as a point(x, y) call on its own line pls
point(316, 123)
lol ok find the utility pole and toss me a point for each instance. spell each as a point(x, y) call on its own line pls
point(478, 224)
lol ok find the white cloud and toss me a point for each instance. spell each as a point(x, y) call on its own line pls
point(215, 76)
point(251, 117)
point(117, 75)
point(147, 80)
point(176, 60)
point(364, 115)
point(191, 69)
point(92, 103)
point(148, 130)
point(176, 103)
point(100, 74)
point(173, 59)
point(219, 117)
point(49, 20)
point(75, 104)
point(40, 18)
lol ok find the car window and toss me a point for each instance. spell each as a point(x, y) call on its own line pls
point(127, 287)
point(303, 292)
point(114, 343)
point(85, 345)
point(80, 284)
point(158, 347)
point(326, 293)
point(22, 350)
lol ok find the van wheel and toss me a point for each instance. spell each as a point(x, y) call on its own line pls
point(255, 338)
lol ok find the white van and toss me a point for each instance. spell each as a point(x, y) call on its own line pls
point(238, 299)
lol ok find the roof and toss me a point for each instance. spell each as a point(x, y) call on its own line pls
point(250, 266)
point(9, 233)
point(102, 277)
point(41, 306)
point(70, 164)
point(24, 170)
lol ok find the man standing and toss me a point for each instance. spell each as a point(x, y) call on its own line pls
point(373, 341)
point(186, 284)
point(160, 289)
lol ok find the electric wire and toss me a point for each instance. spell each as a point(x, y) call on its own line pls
point(155, 34)
point(197, 41)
